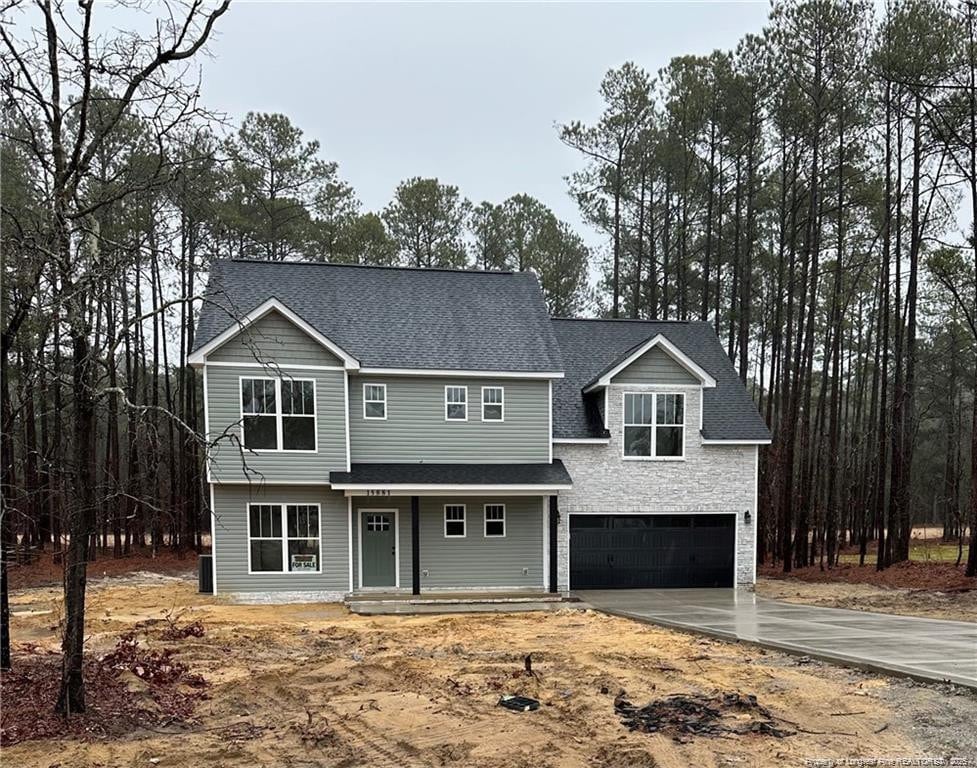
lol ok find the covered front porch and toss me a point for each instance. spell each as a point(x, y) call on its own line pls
point(453, 531)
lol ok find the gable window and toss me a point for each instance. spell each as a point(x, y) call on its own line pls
point(268, 426)
point(493, 403)
point(283, 538)
point(375, 401)
point(654, 425)
point(494, 520)
point(456, 403)
point(454, 521)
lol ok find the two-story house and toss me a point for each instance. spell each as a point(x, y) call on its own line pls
point(395, 429)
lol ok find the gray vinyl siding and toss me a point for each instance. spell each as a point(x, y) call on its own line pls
point(415, 429)
point(224, 418)
point(274, 338)
point(655, 367)
point(231, 539)
point(473, 562)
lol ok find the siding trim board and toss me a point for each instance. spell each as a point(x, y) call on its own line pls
point(457, 373)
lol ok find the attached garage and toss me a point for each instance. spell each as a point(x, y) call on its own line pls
point(651, 551)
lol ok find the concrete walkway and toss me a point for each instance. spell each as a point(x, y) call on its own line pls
point(926, 649)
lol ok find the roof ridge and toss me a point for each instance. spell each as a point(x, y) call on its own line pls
point(379, 266)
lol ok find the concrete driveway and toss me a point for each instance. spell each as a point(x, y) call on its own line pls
point(927, 649)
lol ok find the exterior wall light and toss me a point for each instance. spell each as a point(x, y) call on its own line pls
point(747, 518)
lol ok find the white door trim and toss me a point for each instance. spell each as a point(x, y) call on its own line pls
point(359, 546)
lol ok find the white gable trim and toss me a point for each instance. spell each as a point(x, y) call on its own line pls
point(199, 357)
point(658, 341)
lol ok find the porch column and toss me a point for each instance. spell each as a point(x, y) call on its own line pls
point(554, 521)
point(415, 544)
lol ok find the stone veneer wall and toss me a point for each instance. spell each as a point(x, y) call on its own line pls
point(712, 478)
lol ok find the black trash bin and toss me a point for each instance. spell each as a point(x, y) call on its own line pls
point(205, 574)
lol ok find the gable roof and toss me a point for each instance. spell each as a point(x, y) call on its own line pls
point(658, 341)
point(200, 351)
point(395, 317)
point(593, 347)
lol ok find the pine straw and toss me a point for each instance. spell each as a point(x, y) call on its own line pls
point(128, 689)
point(942, 577)
point(45, 571)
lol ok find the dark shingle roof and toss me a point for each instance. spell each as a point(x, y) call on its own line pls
point(390, 317)
point(591, 346)
point(454, 474)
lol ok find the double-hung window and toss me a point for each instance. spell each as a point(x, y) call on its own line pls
point(456, 403)
point(454, 521)
point(654, 425)
point(375, 401)
point(494, 520)
point(493, 403)
point(283, 538)
point(278, 414)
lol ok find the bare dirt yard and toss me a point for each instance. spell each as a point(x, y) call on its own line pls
point(180, 679)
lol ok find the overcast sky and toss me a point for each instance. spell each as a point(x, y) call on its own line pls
point(469, 93)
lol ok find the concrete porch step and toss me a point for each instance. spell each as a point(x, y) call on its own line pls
point(399, 603)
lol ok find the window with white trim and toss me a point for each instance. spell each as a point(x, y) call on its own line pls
point(454, 521)
point(377, 523)
point(283, 538)
point(268, 427)
point(375, 401)
point(654, 425)
point(493, 403)
point(456, 403)
point(494, 520)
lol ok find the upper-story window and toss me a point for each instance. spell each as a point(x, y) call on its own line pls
point(278, 414)
point(654, 425)
point(375, 401)
point(456, 403)
point(493, 404)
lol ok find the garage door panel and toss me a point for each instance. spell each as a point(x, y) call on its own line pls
point(633, 551)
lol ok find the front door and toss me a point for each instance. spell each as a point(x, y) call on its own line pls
point(379, 548)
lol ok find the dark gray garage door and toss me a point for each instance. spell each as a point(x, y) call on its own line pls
point(633, 551)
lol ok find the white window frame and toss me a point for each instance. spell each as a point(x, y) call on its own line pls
point(284, 538)
point(279, 415)
point(485, 522)
point(447, 388)
point(463, 521)
point(384, 401)
point(501, 403)
point(653, 426)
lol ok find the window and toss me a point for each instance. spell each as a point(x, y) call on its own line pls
point(493, 399)
point(375, 401)
point(292, 427)
point(259, 409)
point(298, 415)
point(283, 538)
point(654, 425)
point(456, 403)
point(377, 523)
point(495, 520)
point(454, 520)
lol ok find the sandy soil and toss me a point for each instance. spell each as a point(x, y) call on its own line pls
point(933, 604)
point(304, 685)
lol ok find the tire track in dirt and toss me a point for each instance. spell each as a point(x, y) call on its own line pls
point(376, 749)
